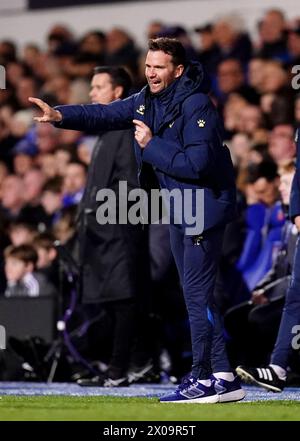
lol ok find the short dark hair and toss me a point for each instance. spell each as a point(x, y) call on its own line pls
point(119, 77)
point(287, 167)
point(25, 253)
point(170, 46)
point(14, 225)
point(44, 240)
point(79, 163)
point(54, 185)
point(265, 169)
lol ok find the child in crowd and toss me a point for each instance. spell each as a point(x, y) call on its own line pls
point(22, 279)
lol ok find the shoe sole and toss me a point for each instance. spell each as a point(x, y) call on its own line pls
point(205, 400)
point(248, 378)
point(236, 395)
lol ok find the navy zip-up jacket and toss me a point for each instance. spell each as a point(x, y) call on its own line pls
point(294, 209)
point(186, 151)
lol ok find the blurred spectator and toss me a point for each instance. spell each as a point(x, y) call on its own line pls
point(281, 144)
point(31, 55)
point(22, 280)
point(52, 198)
point(263, 177)
point(59, 86)
point(253, 325)
point(272, 35)
point(15, 71)
point(256, 73)
point(266, 101)
point(47, 66)
point(33, 212)
point(209, 52)
point(26, 87)
point(7, 95)
point(8, 51)
point(180, 34)
point(121, 50)
point(240, 146)
point(154, 28)
point(79, 91)
point(44, 245)
point(47, 165)
point(250, 119)
point(64, 58)
point(47, 138)
point(94, 42)
point(33, 182)
point(294, 43)
point(232, 111)
point(65, 228)
point(259, 153)
point(281, 110)
point(21, 233)
point(22, 163)
point(7, 140)
point(63, 156)
point(264, 218)
point(275, 78)
point(85, 149)
point(231, 78)
point(231, 39)
point(28, 144)
point(12, 192)
point(20, 123)
point(58, 35)
point(74, 183)
point(47, 262)
point(80, 65)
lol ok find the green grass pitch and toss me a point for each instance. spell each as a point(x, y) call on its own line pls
point(104, 408)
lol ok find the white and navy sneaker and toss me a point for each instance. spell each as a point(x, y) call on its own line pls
point(192, 391)
point(228, 391)
point(264, 376)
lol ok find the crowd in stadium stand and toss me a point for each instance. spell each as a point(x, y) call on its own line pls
point(43, 172)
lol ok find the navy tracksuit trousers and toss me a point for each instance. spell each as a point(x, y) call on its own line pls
point(290, 316)
point(197, 266)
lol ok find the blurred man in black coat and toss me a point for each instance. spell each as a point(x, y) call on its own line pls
point(110, 254)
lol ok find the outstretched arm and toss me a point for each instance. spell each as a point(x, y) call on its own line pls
point(90, 117)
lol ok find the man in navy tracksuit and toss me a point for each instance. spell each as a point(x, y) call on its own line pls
point(273, 376)
point(178, 132)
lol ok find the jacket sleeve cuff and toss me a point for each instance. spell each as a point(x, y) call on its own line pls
point(65, 114)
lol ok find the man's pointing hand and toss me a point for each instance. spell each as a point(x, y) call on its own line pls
point(142, 133)
point(50, 115)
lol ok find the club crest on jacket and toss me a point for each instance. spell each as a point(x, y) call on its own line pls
point(141, 109)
